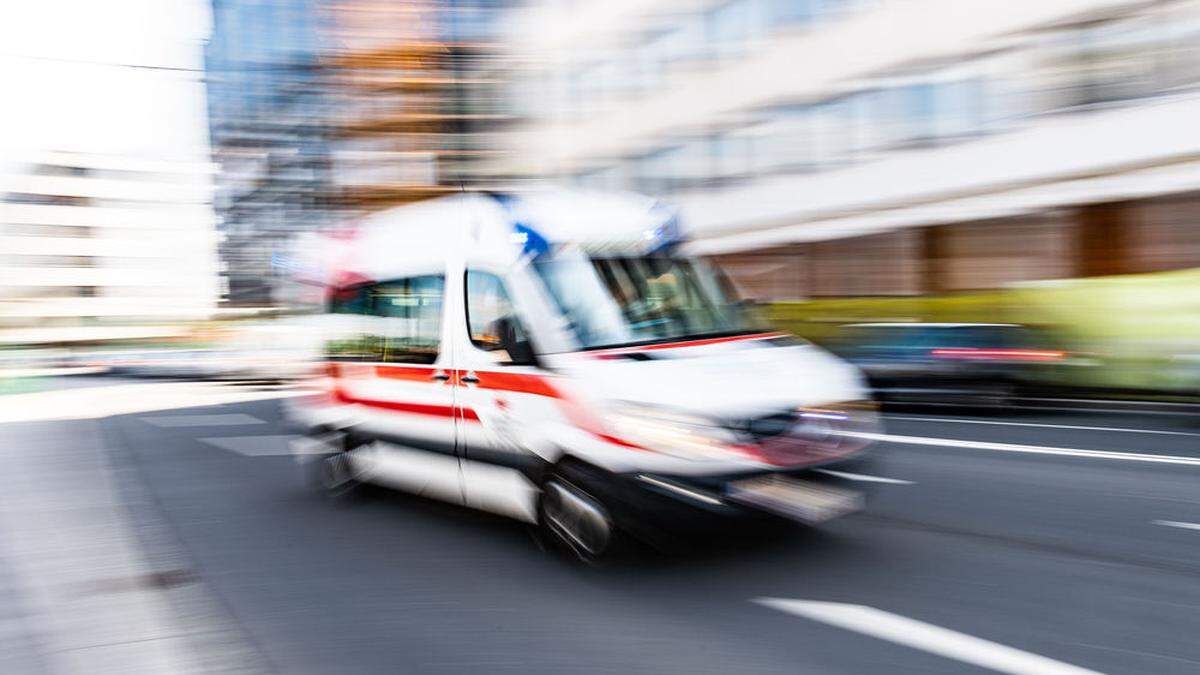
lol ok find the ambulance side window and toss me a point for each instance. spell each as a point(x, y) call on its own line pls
point(407, 319)
point(489, 314)
point(349, 342)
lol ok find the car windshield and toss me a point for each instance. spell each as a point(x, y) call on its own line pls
point(616, 301)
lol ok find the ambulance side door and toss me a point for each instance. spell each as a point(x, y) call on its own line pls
point(502, 397)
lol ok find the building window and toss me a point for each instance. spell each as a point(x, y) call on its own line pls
point(733, 27)
point(1180, 59)
point(830, 133)
point(732, 155)
point(792, 13)
point(914, 112)
point(1115, 60)
point(788, 144)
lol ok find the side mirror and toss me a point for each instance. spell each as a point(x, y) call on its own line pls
point(514, 341)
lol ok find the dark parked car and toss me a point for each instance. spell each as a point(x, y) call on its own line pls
point(949, 363)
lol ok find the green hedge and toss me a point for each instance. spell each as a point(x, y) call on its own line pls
point(1142, 331)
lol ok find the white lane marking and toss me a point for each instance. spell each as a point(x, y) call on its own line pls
point(256, 446)
point(924, 636)
point(1030, 449)
point(865, 478)
point(231, 419)
point(303, 446)
point(690, 494)
point(1177, 523)
point(1043, 426)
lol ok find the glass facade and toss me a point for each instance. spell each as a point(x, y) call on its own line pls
point(266, 108)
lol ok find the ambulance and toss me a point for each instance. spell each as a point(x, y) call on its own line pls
point(556, 356)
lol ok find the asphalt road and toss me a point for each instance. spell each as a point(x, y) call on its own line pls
point(1012, 534)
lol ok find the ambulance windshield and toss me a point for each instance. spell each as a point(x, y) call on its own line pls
point(618, 301)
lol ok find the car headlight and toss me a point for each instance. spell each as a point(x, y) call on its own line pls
point(672, 433)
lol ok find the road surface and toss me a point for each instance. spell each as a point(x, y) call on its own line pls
point(1023, 542)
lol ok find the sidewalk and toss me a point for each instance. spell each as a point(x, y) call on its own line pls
point(91, 577)
point(18, 373)
point(122, 397)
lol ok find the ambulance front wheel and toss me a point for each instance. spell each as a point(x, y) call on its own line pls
point(573, 517)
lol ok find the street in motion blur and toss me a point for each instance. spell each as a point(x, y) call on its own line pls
point(560, 336)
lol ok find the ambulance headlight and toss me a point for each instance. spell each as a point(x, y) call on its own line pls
point(672, 433)
point(841, 418)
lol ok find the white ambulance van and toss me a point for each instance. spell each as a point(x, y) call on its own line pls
point(556, 357)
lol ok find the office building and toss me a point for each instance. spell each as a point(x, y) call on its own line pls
point(98, 248)
point(831, 148)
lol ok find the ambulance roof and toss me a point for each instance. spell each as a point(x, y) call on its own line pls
point(505, 226)
point(584, 216)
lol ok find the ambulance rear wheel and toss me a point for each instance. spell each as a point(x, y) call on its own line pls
point(334, 473)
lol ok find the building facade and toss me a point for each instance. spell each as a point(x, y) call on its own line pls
point(324, 110)
point(97, 248)
point(878, 147)
point(413, 105)
point(267, 113)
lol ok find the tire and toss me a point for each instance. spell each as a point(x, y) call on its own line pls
point(333, 473)
point(573, 519)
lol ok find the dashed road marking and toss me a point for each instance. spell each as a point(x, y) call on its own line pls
point(255, 446)
point(231, 419)
point(924, 636)
point(1176, 523)
point(862, 477)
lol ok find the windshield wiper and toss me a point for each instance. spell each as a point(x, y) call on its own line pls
point(677, 338)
